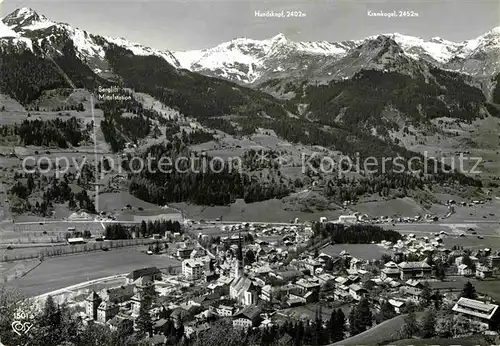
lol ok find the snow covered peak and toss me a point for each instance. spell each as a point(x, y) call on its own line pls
point(24, 13)
point(279, 38)
point(246, 60)
point(494, 32)
point(24, 18)
point(32, 28)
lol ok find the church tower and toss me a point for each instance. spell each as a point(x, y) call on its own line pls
point(91, 304)
point(238, 264)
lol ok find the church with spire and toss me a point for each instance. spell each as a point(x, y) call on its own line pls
point(242, 288)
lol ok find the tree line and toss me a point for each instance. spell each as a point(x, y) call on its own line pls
point(146, 229)
point(355, 234)
point(54, 132)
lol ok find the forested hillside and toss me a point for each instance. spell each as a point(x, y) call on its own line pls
point(192, 94)
point(24, 76)
point(358, 103)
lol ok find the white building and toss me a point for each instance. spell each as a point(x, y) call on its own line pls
point(192, 269)
point(348, 219)
point(480, 312)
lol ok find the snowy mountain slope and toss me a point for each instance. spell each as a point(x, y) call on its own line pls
point(381, 53)
point(34, 29)
point(252, 61)
point(478, 57)
point(6, 32)
point(10, 37)
point(245, 60)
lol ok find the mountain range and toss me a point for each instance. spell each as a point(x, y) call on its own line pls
point(251, 61)
point(351, 84)
point(382, 96)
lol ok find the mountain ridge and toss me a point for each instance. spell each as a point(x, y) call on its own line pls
point(255, 67)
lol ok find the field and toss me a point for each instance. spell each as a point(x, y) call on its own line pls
point(309, 311)
point(273, 210)
point(58, 272)
point(402, 206)
point(475, 340)
point(13, 270)
point(456, 283)
point(380, 334)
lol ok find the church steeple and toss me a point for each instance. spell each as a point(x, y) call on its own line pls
point(239, 266)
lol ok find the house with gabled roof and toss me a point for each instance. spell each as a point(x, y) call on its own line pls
point(106, 311)
point(357, 292)
point(484, 314)
point(397, 304)
point(483, 272)
point(118, 294)
point(391, 270)
point(411, 270)
point(151, 273)
point(247, 318)
point(120, 322)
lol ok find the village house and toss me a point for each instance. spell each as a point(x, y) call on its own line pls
point(287, 275)
point(302, 298)
point(459, 260)
point(484, 314)
point(311, 265)
point(308, 285)
point(412, 289)
point(411, 270)
point(341, 292)
point(325, 279)
point(161, 326)
point(357, 292)
point(356, 263)
point(464, 270)
point(151, 274)
point(398, 305)
point(118, 294)
point(193, 269)
point(194, 328)
point(197, 253)
point(225, 310)
point(184, 251)
point(120, 322)
point(494, 261)
point(266, 293)
point(247, 318)
point(221, 286)
point(137, 301)
point(483, 272)
point(391, 270)
point(106, 311)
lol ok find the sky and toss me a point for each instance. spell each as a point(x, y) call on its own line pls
point(197, 24)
